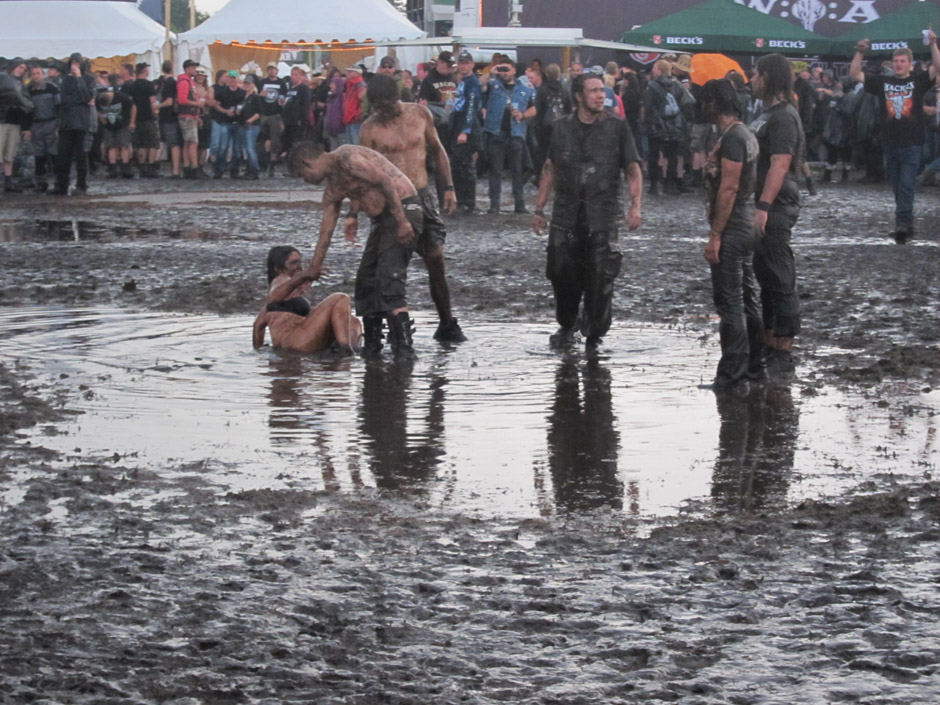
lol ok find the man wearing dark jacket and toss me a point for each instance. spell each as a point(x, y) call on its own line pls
point(15, 108)
point(43, 128)
point(78, 91)
point(666, 125)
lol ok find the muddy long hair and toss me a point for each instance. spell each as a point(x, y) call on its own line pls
point(778, 77)
point(277, 259)
point(383, 95)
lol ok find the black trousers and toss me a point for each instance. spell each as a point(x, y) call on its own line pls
point(583, 264)
point(464, 172)
point(670, 151)
point(71, 148)
point(734, 290)
point(775, 268)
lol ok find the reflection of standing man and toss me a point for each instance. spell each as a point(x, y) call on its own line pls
point(589, 150)
point(405, 134)
point(583, 441)
point(902, 123)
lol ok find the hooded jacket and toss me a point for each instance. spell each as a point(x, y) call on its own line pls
point(13, 100)
point(77, 92)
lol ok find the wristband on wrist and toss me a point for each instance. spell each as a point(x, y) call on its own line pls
point(540, 213)
point(763, 206)
point(449, 188)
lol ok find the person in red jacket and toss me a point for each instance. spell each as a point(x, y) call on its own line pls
point(353, 95)
point(188, 110)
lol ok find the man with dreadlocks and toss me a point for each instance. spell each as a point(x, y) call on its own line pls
point(404, 133)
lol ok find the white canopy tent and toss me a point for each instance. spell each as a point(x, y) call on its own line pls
point(45, 29)
point(294, 24)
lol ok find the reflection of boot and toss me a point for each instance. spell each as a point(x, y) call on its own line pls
point(399, 337)
point(372, 335)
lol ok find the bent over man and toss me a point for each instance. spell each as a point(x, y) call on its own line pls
point(589, 150)
point(376, 187)
point(405, 134)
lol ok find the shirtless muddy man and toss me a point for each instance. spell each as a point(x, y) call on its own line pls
point(379, 189)
point(405, 134)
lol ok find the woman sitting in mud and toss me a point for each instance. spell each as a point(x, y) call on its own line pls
point(294, 324)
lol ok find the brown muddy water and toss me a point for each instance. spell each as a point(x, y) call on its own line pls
point(500, 428)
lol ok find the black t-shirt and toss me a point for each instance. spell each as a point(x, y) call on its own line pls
point(738, 144)
point(780, 131)
point(438, 89)
point(167, 87)
point(141, 91)
point(227, 99)
point(902, 107)
point(271, 91)
point(250, 107)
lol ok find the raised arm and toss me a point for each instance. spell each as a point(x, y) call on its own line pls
point(855, 68)
point(934, 54)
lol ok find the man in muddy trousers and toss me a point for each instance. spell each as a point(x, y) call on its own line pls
point(378, 188)
point(405, 134)
point(779, 133)
point(589, 151)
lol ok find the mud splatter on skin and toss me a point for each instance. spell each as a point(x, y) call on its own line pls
point(298, 596)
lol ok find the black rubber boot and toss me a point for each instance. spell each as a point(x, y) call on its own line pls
point(399, 337)
point(372, 335)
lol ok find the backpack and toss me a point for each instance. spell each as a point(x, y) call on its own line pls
point(672, 107)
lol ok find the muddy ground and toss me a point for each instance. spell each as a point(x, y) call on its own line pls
point(298, 596)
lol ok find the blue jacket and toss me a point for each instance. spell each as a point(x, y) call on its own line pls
point(498, 99)
point(467, 106)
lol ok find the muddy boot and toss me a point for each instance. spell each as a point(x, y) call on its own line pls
point(9, 185)
point(827, 175)
point(681, 187)
point(696, 179)
point(372, 335)
point(127, 172)
point(112, 171)
point(846, 173)
point(670, 188)
point(449, 332)
point(811, 186)
point(654, 188)
point(399, 337)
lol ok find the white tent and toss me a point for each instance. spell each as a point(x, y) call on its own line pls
point(302, 22)
point(56, 28)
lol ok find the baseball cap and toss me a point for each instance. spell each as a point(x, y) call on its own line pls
point(272, 65)
point(190, 62)
point(357, 69)
point(233, 73)
point(202, 71)
point(447, 57)
point(465, 56)
point(387, 62)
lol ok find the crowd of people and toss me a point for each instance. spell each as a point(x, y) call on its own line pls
point(398, 145)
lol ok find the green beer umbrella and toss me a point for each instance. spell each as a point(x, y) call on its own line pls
point(725, 26)
point(897, 30)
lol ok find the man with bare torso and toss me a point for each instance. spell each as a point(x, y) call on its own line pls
point(379, 189)
point(405, 134)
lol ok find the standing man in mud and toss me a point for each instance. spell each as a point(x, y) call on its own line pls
point(376, 187)
point(405, 134)
point(779, 133)
point(589, 150)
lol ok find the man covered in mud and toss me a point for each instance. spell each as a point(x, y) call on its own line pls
point(379, 189)
point(589, 151)
point(405, 134)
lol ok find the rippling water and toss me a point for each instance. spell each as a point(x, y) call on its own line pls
point(498, 426)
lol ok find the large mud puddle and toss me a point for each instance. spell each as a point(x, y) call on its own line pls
point(497, 427)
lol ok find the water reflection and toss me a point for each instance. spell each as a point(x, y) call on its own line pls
point(583, 441)
point(402, 455)
point(74, 230)
point(756, 445)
